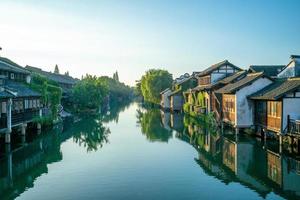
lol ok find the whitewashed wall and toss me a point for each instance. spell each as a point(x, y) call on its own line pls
point(165, 101)
point(177, 102)
point(245, 108)
point(216, 76)
point(291, 106)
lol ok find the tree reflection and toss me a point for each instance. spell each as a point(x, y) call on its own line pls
point(115, 109)
point(90, 133)
point(151, 126)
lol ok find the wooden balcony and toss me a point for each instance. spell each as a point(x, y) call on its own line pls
point(294, 127)
point(26, 116)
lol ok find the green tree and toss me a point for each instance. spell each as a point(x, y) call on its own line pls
point(56, 70)
point(153, 82)
point(138, 89)
point(117, 91)
point(90, 92)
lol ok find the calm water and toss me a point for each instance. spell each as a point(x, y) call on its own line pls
point(135, 153)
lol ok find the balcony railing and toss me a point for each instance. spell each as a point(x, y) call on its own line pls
point(24, 116)
point(294, 126)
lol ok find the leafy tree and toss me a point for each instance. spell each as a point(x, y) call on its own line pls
point(90, 92)
point(117, 91)
point(51, 93)
point(138, 89)
point(56, 70)
point(153, 82)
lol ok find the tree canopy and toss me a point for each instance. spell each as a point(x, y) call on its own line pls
point(90, 92)
point(153, 82)
point(117, 91)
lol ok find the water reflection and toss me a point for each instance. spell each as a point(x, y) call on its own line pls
point(150, 122)
point(244, 160)
point(22, 163)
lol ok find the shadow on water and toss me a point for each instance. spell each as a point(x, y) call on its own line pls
point(23, 162)
point(239, 159)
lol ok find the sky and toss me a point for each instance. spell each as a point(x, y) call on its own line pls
point(131, 36)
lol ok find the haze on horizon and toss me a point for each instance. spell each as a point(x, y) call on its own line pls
point(131, 36)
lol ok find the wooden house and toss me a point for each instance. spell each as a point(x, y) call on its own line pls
point(237, 110)
point(165, 100)
point(180, 85)
point(199, 97)
point(19, 104)
point(65, 82)
point(277, 106)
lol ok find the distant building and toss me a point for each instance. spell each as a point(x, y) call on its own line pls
point(19, 104)
point(180, 85)
point(66, 82)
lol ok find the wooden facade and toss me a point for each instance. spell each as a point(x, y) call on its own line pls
point(228, 108)
point(268, 114)
point(204, 80)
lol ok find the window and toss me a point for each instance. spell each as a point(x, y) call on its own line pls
point(38, 103)
point(204, 80)
point(30, 104)
point(26, 104)
point(12, 76)
point(274, 108)
point(34, 103)
point(229, 105)
point(3, 107)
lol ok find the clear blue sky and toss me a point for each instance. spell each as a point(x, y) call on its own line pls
point(100, 37)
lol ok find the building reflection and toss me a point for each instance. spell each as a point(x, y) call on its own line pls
point(243, 160)
point(22, 163)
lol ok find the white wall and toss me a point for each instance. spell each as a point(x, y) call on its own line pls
point(291, 106)
point(28, 79)
point(289, 71)
point(245, 107)
point(216, 76)
point(177, 102)
point(165, 102)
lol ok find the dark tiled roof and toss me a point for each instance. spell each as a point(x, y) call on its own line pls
point(233, 87)
point(6, 64)
point(224, 81)
point(20, 89)
point(278, 89)
point(295, 56)
point(216, 66)
point(269, 70)
point(59, 78)
point(233, 77)
point(4, 94)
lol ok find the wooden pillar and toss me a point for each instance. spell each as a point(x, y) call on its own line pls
point(8, 112)
point(39, 128)
point(23, 129)
point(9, 164)
point(280, 143)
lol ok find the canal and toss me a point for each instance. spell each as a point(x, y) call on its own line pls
point(138, 153)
